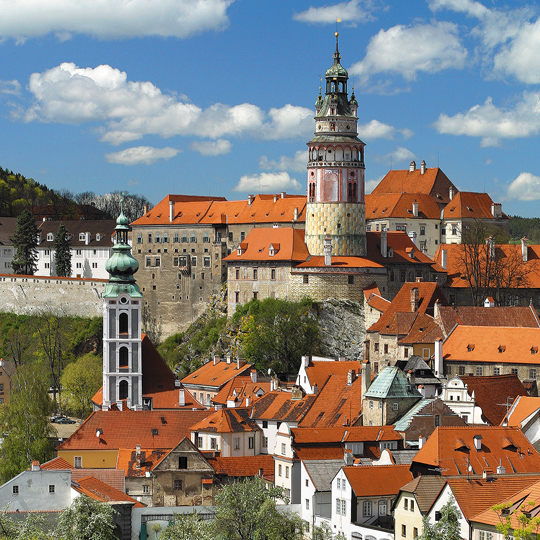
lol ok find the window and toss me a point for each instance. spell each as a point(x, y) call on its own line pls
point(78, 252)
point(454, 230)
point(422, 230)
point(206, 262)
point(206, 238)
point(193, 260)
point(371, 404)
point(286, 472)
point(350, 280)
point(401, 228)
point(461, 370)
point(273, 273)
point(496, 371)
point(251, 443)
point(177, 485)
point(123, 390)
point(265, 442)
point(338, 506)
point(376, 347)
point(123, 357)
point(412, 505)
point(77, 462)
point(514, 371)
point(395, 406)
point(437, 420)
point(94, 265)
point(343, 507)
point(199, 442)
point(213, 443)
point(415, 532)
point(255, 273)
point(305, 279)
point(382, 508)
point(532, 373)
point(307, 504)
point(149, 238)
point(51, 488)
point(176, 238)
point(182, 462)
point(479, 371)
point(338, 483)
point(184, 238)
point(403, 530)
point(406, 353)
point(146, 488)
point(366, 508)
point(15, 490)
point(386, 348)
point(237, 443)
point(406, 504)
point(265, 424)
point(242, 236)
point(279, 470)
point(47, 252)
point(193, 238)
point(47, 265)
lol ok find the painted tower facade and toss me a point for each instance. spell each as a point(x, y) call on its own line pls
point(336, 208)
point(122, 342)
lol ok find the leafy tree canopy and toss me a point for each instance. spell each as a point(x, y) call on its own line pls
point(189, 527)
point(447, 528)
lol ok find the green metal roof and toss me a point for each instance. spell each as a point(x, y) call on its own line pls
point(403, 423)
point(391, 382)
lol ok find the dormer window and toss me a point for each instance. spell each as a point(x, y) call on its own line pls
point(502, 348)
point(82, 237)
point(50, 237)
point(98, 237)
point(534, 350)
point(470, 347)
point(391, 252)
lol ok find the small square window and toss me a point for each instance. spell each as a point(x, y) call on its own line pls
point(146, 488)
point(51, 488)
point(15, 490)
point(177, 485)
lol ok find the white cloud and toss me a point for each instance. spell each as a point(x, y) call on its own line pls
point(212, 148)
point(493, 123)
point(351, 12)
point(129, 110)
point(111, 19)
point(268, 183)
point(400, 154)
point(10, 87)
point(372, 184)
point(378, 130)
point(407, 50)
point(141, 154)
point(526, 187)
point(298, 163)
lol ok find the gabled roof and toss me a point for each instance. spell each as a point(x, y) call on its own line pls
point(316, 261)
point(423, 330)
point(467, 204)
point(138, 466)
point(390, 383)
point(318, 371)
point(403, 423)
point(492, 392)
point(433, 182)
point(7, 229)
point(425, 408)
point(240, 388)
point(452, 450)
point(57, 464)
point(288, 245)
point(342, 434)
point(280, 406)
point(522, 408)
point(245, 466)
point(99, 491)
point(103, 227)
point(521, 317)
point(377, 302)
point(400, 205)
point(426, 489)
point(227, 421)
point(215, 374)
point(322, 472)
point(127, 429)
point(493, 344)
point(377, 480)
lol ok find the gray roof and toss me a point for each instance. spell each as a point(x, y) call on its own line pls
point(7, 228)
point(404, 457)
point(391, 382)
point(322, 472)
point(403, 423)
point(426, 489)
point(415, 362)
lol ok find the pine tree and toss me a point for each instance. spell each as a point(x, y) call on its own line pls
point(62, 252)
point(25, 244)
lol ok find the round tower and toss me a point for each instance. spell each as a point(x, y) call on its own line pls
point(335, 189)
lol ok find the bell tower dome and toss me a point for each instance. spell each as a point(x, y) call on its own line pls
point(122, 340)
point(335, 190)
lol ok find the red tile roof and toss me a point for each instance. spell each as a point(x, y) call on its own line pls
point(452, 450)
point(240, 388)
point(377, 480)
point(423, 330)
point(280, 406)
point(112, 477)
point(339, 262)
point(99, 491)
point(288, 244)
point(318, 371)
point(127, 429)
point(245, 466)
point(227, 421)
point(58, 464)
point(342, 434)
point(133, 467)
point(467, 204)
point(492, 392)
point(214, 375)
point(326, 451)
point(400, 205)
point(521, 409)
point(493, 344)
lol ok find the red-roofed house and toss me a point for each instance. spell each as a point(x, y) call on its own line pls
point(525, 414)
point(374, 304)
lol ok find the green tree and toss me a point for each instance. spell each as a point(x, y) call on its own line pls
point(80, 380)
point(62, 252)
point(189, 527)
point(276, 333)
point(517, 524)
point(246, 510)
point(25, 244)
point(87, 519)
point(33, 527)
point(447, 528)
point(25, 422)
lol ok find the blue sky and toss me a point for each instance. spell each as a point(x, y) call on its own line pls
point(216, 96)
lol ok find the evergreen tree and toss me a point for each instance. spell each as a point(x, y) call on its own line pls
point(62, 252)
point(25, 244)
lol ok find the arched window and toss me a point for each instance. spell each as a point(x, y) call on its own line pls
point(382, 508)
point(123, 323)
point(123, 390)
point(355, 192)
point(349, 192)
point(123, 360)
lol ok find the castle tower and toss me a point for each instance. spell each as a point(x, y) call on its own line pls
point(335, 167)
point(122, 349)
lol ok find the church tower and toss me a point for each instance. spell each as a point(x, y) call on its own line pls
point(335, 208)
point(122, 343)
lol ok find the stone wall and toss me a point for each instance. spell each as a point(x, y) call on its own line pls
point(26, 295)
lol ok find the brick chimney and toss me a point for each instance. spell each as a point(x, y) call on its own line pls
point(415, 299)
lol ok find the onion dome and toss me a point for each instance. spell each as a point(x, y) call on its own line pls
point(336, 70)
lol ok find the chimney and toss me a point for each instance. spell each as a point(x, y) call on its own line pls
point(411, 378)
point(478, 442)
point(438, 358)
point(444, 260)
point(366, 378)
point(348, 458)
point(283, 194)
point(253, 375)
point(421, 441)
point(351, 376)
point(451, 192)
point(412, 236)
point(496, 210)
point(412, 166)
point(240, 362)
point(217, 360)
point(138, 450)
point(145, 209)
point(39, 238)
point(273, 384)
point(423, 166)
point(250, 199)
point(87, 238)
point(415, 299)
point(296, 393)
point(490, 241)
point(171, 211)
point(228, 359)
point(275, 198)
point(295, 214)
point(327, 251)
point(248, 402)
point(501, 469)
point(436, 312)
point(384, 242)
point(182, 397)
point(35, 466)
point(305, 361)
point(524, 249)
point(415, 209)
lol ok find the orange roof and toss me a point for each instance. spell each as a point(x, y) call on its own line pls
point(340, 262)
point(99, 491)
point(127, 429)
point(400, 205)
point(240, 388)
point(133, 467)
point(318, 371)
point(214, 375)
point(423, 330)
point(190, 210)
point(491, 344)
point(375, 300)
point(521, 409)
point(278, 405)
point(377, 480)
point(328, 451)
point(58, 463)
point(467, 204)
point(236, 467)
point(491, 392)
point(433, 182)
point(227, 421)
point(288, 245)
point(452, 450)
point(341, 434)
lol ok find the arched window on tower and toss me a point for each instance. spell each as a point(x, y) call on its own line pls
point(123, 357)
point(311, 191)
point(123, 323)
point(349, 192)
point(355, 193)
point(123, 390)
